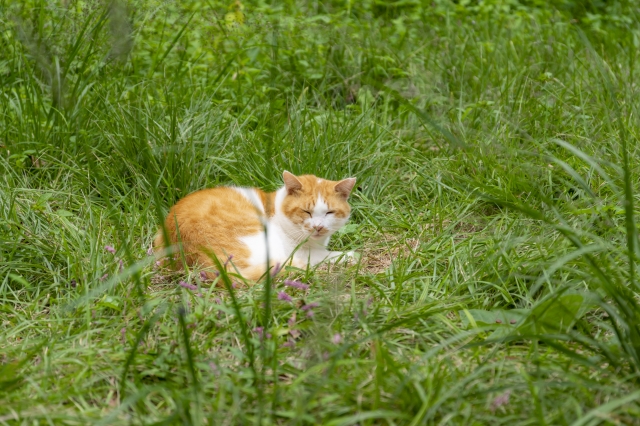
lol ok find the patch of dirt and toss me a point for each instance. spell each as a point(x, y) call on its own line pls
point(378, 258)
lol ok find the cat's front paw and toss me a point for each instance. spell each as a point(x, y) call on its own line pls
point(351, 256)
point(344, 257)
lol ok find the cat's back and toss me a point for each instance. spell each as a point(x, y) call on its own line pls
point(217, 218)
point(228, 203)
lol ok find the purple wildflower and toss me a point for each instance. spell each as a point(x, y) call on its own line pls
point(203, 275)
point(310, 313)
point(296, 284)
point(228, 260)
point(150, 251)
point(260, 332)
point(123, 334)
point(337, 339)
point(284, 296)
point(310, 306)
point(290, 343)
point(500, 400)
point(110, 249)
point(188, 286)
point(276, 270)
point(218, 301)
point(121, 265)
point(104, 277)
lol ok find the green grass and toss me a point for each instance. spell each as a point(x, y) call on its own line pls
point(495, 150)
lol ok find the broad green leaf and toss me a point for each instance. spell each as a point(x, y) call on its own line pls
point(556, 314)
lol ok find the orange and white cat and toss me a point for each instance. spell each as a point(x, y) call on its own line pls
point(230, 222)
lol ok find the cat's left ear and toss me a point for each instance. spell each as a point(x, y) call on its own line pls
point(345, 186)
point(291, 182)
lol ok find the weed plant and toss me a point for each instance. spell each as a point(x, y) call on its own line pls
point(496, 156)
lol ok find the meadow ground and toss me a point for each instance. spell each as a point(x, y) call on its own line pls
point(495, 149)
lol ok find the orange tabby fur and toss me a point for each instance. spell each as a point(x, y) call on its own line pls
point(229, 221)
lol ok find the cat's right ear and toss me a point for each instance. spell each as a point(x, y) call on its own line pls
point(291, 182)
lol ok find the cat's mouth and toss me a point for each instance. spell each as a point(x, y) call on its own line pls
point(318, 234)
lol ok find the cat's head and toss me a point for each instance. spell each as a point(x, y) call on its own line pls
point(317, 207)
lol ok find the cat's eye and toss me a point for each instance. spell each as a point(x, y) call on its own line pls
point(307, 212)
point(331, 212)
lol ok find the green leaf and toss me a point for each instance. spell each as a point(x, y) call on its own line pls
point(555, 314)
point(483, 318)
point(19, 279)
point(110, 302)
point(348, 229)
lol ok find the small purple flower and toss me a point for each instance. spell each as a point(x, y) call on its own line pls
point(203, 275)
point(188, 286)
point(296, 284)
point(284, 296)
point(260, 332)
point(123, 334)
point(276, 270)
point(337, 339)
point(310, 306)
point(121, 265)
point(310, 313)
point(110, 249)
point(228, 260)
point(104, 277)
point(500, 400)
point(218, 301)
point(290, 343)
point(150, 251)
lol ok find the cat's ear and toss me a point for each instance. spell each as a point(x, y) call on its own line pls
point(291, 182)
point(345, 186)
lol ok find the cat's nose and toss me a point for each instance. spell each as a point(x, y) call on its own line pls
point(318, 227)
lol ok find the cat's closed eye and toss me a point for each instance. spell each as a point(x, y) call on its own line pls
point(331, 212)
point(306, 211)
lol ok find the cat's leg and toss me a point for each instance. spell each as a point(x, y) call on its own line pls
point(342, 256)
point(255, 272)
point(318, 255)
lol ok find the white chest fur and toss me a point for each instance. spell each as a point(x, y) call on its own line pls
point(283, 240)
